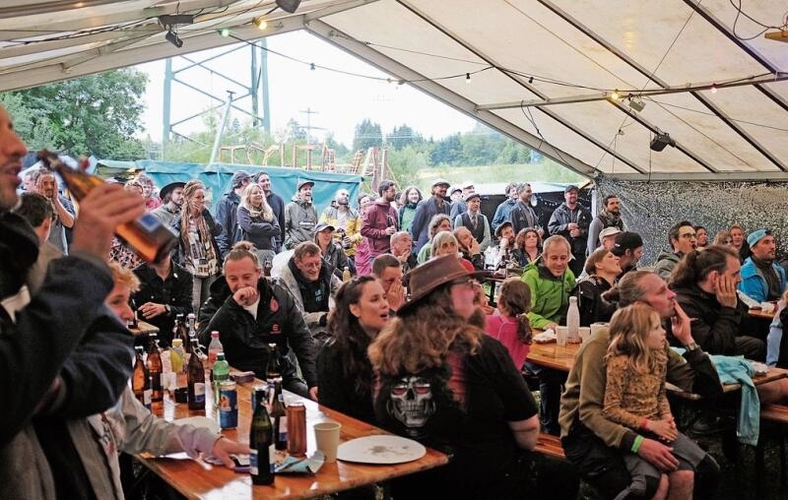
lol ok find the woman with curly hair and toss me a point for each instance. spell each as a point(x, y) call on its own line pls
point(527, 246)
point(343, 370)
point(408, 201)
point(257, 222)
point(442, 381)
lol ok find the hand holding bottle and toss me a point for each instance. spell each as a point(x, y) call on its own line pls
point(100, 212)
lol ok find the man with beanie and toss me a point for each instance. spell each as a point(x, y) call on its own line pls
point(227, 208)
point(762, 279)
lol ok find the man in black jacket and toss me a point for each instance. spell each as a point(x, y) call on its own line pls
point(165, 291)
point(249, 312)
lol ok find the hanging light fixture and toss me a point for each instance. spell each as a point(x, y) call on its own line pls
point(288, 6)
point(260, 23)
point(172, 37)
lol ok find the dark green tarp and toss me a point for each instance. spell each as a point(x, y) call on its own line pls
point(217, 177)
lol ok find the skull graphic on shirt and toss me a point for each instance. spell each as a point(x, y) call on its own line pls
point(411, 402)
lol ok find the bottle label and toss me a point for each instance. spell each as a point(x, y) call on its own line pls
point(199, 392)
point(282, 429)
point(146, 397)
point(253, 468)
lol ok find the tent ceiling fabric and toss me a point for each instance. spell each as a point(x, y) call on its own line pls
point(666, 53)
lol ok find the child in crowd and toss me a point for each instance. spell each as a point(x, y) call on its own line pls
point(635, 397)
point(509, 323)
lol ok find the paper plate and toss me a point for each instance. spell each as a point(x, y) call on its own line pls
point(206, 422)
point(383, 449)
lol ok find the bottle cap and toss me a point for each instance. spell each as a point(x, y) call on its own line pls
point(214, 334)
point(177, 342)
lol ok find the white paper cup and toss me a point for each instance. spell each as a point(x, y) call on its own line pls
point(595, 327)
point(327, 439)
point(561, 334)
point(585, 333)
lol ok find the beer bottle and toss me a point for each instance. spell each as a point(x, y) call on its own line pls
point(273, 370)
point(346, 275)
point(132, 323)
point(191, 331)
point(279, 414)
point(196, 379)
point(140, 379)
point(146, 236)
point(155, 368)
point(178, 328)
point(260, 440)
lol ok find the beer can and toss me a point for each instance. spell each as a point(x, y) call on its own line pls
point(296, 429)
point(228, 405)
point(259, 387)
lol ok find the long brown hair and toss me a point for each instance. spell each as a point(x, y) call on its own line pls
point(628, 330)
point(515, 299)
point(697, 264)
point(421, 339)
point(349, 337)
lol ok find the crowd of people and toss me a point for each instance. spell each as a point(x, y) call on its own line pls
point(409, 341)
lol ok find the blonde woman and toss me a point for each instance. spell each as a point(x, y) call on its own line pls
point(257, 222)
point(202, 242)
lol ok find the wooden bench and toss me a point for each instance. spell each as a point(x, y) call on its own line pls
point(773, 414)
point(549, 445)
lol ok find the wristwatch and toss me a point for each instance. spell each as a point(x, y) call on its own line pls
point(691, 346)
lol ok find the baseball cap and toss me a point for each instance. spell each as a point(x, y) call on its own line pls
point(304, 182)
point(239, 177)
point(757, 235)
point(323, 226)
point(626, 241)
point(571, 187)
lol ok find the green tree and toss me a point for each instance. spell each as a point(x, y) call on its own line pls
point(403, 136)
point(96, 114)
point(367, 135)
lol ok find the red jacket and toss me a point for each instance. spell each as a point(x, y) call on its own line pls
point(376, 219)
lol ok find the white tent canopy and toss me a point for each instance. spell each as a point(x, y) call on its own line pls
point(541, 72)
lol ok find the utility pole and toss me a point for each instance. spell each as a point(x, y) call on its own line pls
point(309, 114)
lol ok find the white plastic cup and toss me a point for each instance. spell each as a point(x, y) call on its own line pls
point(585, 333)
point(595, 327)
point(561, 334)
point(327, 439)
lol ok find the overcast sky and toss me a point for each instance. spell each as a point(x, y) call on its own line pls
point(340, 101)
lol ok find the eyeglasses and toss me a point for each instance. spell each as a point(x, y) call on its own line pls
point(310, 265)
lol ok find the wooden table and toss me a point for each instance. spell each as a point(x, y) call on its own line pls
point(199, 480)
point(562, 358)
point(760, 313)
point(552, 355)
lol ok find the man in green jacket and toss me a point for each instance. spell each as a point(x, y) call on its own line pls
point(550, 280)
point(594, 444)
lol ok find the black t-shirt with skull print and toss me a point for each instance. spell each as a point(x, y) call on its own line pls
point(465, 407)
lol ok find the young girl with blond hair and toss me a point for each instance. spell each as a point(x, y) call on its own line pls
point(635, 397)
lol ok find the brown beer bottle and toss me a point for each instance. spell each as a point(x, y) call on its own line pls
point(146, 236)
point(140, 380)
point(155, 368)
